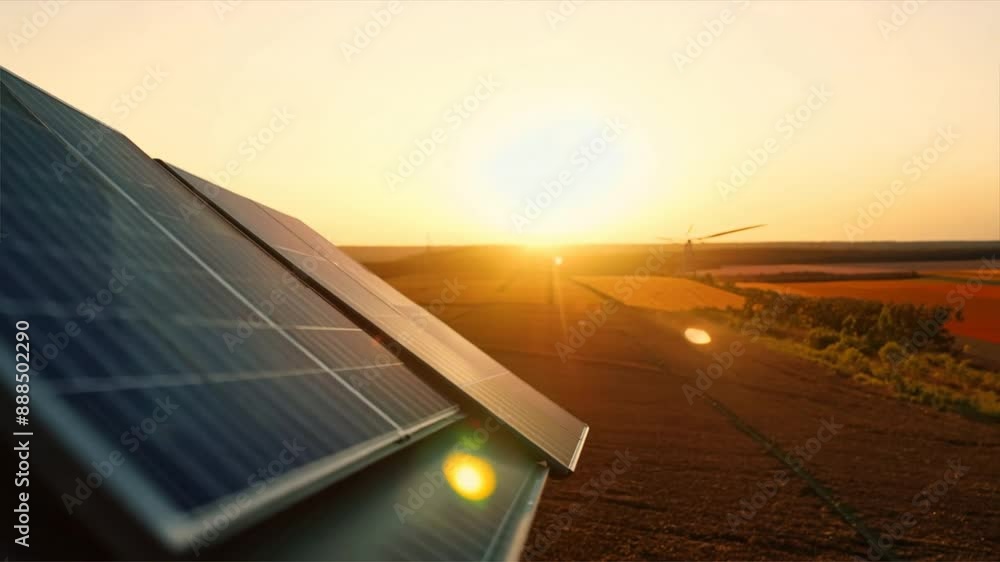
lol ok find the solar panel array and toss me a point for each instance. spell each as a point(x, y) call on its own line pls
point(554, 432)
point(156, 312)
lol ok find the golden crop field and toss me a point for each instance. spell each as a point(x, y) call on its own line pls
point(671, 294)
point(463, 288)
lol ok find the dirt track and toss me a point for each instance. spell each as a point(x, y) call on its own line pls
point(694, 463)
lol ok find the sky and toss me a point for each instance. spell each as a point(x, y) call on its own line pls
point(552, 122)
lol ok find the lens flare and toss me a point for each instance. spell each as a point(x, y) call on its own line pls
point(557, 261)
point(697, 336)
point(471, 477)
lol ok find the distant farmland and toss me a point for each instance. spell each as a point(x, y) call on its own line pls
point(465, 288)
point(670, 294)
point(981, 310)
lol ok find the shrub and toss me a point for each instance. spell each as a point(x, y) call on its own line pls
point(873, 323)
point(822, 338)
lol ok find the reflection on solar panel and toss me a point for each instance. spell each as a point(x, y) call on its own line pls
point(438, 518)
point(148, 313)
point(554, 432)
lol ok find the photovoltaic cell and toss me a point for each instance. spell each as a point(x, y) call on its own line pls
point(140, 308)
point(554, 432)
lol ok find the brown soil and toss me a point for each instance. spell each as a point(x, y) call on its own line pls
point(695, 462)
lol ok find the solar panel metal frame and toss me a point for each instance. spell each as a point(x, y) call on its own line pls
point(321, 526)
point(560, 467)
point(173, 528)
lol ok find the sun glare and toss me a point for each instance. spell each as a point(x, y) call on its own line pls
point(471, 477)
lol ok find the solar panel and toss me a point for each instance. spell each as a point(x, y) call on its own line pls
point(422, 516)
point(176, 341)
point(555, 433)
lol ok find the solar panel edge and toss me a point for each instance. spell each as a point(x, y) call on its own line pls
point(510, 538)
point(579, 447)
point(300, 484)
point(4, 69)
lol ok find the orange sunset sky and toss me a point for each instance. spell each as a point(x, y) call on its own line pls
point(638, 116)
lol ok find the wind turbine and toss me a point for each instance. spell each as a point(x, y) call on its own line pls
point(689, 245)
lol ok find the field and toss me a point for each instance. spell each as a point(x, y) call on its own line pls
point(862, 460)
point(473, 289)
point(981, 309)
point(669, 294)
point(962, 268)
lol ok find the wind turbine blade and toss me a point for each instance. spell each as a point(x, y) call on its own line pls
point(730, 231)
